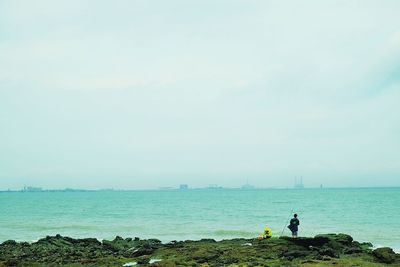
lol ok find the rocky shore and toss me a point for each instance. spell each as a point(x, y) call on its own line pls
point(321, 250)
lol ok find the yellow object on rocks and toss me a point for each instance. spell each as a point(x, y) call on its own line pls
point(267, 232)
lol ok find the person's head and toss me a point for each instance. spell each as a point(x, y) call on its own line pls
point(295, 215)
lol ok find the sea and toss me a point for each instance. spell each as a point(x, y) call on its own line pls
point(367, 214)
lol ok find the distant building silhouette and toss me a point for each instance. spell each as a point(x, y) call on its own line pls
point(183, 187)
point(214, 186)
point(247, 185)
point(32, 189)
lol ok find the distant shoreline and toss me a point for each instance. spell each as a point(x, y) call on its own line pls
point(189, 189)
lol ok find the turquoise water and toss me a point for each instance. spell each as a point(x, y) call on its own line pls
point(367, 214)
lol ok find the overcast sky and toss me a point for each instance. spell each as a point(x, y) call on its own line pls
point(142, 94)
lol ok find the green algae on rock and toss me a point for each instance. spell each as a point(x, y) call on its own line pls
point(321, 250)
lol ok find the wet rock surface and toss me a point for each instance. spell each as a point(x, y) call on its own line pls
point(385, 255)
point(321, 250)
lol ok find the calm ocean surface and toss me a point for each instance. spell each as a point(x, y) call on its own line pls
point(367, 214)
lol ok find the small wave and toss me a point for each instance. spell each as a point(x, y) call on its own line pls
point(62, 227)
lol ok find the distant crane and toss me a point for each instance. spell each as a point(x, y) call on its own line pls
point(298, 182)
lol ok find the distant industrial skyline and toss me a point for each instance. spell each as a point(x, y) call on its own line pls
point(147, 94)
point(32, 189)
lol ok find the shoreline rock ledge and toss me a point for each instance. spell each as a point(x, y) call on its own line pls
point(321, 250)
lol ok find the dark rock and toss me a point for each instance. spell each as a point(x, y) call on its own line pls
point(344, 239)
point(293, 254)
point(119, 245)
point(118, 238)
point(11, 262)
point(154, 241)
point(320, 240)
point(205, 255)
point(337, 242)
point(109, 245)
point(142, 251)
point(352, 250)
point(172, 244)
point(90, 242)
point(9, 243)
point(146, 247)
point(384, 255)
point(208, 240)
point(327, 251)
point(365, 245)
point(301, 241)
point(317, 241)
point(228, 259)
point(143, 261)
point(59, 250)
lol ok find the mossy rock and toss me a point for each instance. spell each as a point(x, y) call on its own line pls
point(385, 255)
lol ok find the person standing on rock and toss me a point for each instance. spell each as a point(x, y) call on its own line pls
point(294, 225)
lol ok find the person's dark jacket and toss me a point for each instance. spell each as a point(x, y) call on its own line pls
point(294, 223)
